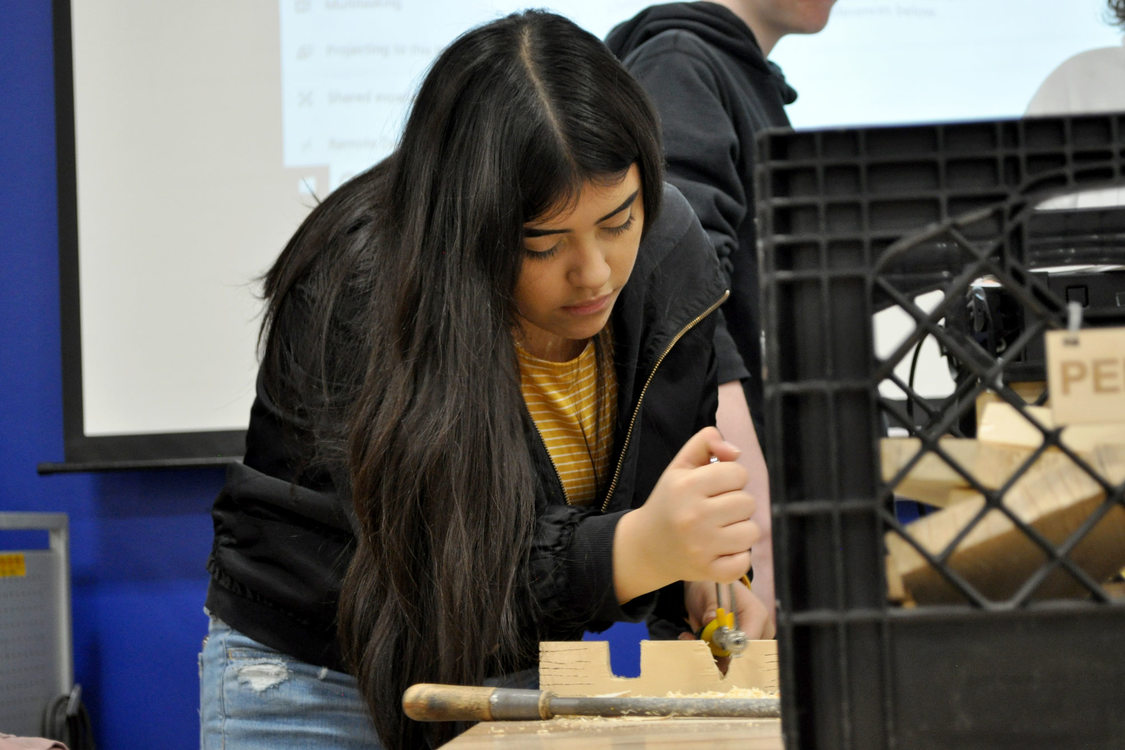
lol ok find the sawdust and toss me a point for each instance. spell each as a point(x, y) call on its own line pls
point(736, 692)
point(603, 724)
point(599, 721)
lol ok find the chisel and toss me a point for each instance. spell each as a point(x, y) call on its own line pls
point(429, 702)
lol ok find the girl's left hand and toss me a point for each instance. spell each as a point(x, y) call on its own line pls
point(752, 616)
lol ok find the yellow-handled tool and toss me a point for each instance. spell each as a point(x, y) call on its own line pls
point(722, 634)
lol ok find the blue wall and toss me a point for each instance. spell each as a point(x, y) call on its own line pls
point(139, 540)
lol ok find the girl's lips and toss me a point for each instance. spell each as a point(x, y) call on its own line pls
point(590, 307)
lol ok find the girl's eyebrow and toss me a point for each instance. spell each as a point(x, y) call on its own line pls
point(532, 232)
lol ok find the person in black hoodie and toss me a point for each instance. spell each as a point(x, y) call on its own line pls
point(706, 67)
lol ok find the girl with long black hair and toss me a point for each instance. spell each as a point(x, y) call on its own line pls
point(483, 415)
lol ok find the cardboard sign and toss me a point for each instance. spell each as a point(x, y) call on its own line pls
point(1086, 375)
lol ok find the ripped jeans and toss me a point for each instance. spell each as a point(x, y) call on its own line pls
point(254, 698)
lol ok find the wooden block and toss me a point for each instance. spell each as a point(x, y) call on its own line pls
point(1002, 424)
point(933, 480)
point(1115, 589)
point(997, 463)
point(1110, 459)
point(930, 479)
point(1055, 497)
point(1029, 391)
point(576, 668)
point(896, 589)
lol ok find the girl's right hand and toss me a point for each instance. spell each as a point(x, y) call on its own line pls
point(694, 526)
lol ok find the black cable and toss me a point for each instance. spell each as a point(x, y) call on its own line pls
point(910, 378)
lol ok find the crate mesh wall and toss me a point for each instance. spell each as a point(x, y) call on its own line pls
point(853, 221)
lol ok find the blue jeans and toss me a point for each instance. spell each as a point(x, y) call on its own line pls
point(254, 698)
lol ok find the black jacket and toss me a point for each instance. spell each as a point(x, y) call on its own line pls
point(280, 549)
point(715, 91)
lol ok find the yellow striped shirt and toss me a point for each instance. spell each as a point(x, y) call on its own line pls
point(562, 398)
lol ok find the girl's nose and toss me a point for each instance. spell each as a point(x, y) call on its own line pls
point(590, 269)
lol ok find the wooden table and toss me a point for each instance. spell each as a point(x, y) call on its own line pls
point(623, 734)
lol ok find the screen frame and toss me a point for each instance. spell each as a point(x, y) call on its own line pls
point(84, 452)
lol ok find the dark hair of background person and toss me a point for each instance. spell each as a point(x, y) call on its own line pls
point(1117, 9)
point(421, 419)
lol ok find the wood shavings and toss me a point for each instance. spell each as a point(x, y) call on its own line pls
point(736, 692)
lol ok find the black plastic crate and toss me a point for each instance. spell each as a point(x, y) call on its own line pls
point(859, 220)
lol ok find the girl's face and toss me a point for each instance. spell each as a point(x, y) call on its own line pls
point(576, 260)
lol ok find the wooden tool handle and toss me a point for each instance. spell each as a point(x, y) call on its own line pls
point(429, 702)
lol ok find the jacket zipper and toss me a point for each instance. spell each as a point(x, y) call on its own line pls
point(558, 476)
point(644, 389)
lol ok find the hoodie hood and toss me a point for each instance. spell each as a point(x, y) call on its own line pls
point(714, 24)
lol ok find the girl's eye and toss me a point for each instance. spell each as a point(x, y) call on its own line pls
point(540, 254)
point(621, 228)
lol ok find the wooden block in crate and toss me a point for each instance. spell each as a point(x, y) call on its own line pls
point(1029, 391)
point(1055, 497)
point(576, 668)
point(931, 478)
point(1006, 443)
point(1002, 424)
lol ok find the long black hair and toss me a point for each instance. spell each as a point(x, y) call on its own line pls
point(401, 283)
